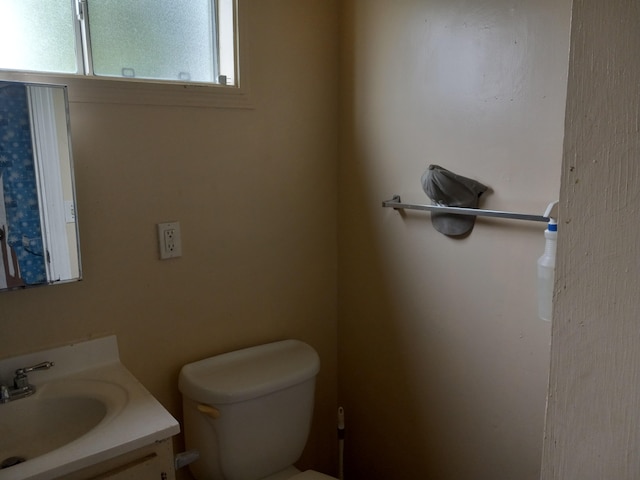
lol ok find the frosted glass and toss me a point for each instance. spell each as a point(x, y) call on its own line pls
point(155, 39)
point(38, 35)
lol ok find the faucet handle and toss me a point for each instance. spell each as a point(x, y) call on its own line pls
point(39, 366)
point(21, 380)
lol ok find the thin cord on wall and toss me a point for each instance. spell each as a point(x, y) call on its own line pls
point(340, 443)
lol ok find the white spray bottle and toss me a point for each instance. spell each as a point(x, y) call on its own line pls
point(546, 267)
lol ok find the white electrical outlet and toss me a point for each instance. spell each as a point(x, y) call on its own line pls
point(169, 240)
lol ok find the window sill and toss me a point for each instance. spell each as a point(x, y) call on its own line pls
point(131, 92)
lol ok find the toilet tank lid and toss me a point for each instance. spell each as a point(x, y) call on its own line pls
point(249, 373)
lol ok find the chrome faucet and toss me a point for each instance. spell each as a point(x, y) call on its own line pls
point(21, 386)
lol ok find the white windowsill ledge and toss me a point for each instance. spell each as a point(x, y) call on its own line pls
point(134, 92)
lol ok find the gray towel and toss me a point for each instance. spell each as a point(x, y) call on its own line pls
point(446, 188)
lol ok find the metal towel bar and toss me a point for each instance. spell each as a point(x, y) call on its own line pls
point(396, 203)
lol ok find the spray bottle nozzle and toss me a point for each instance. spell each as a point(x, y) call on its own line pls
point(551, 212)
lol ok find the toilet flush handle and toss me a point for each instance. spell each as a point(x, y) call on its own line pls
point(208, 410)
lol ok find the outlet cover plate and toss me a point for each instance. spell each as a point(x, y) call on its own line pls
point(169, 240)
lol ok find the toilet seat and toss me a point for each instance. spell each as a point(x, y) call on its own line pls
point(312, 475)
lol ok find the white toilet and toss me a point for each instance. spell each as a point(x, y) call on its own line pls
point(248, 412)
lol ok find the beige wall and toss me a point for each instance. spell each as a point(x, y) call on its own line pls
point(593, 425)
point(443, 361)
point(255, 194)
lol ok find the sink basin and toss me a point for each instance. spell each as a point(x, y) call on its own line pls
point(57, 414)
point(86, 410)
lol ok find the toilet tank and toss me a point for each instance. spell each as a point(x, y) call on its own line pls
point(262, 399)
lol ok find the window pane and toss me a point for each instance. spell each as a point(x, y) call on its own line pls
point(155, 39)
point(38, 35)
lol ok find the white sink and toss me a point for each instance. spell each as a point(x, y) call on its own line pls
point(87, 409)
point(57, 414)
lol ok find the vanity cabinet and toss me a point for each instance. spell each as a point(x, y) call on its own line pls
point(154, 462)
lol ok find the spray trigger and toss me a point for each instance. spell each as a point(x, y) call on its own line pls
point(552, 212)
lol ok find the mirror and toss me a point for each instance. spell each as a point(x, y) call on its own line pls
point(39, 242)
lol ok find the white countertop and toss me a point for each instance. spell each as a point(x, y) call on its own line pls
point(134, 418)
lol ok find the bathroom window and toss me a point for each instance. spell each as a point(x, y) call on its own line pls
point(183, 41)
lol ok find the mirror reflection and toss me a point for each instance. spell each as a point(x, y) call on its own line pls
point(38, 228)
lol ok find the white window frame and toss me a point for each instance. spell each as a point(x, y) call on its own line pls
point(93, 89)
point(49, 181)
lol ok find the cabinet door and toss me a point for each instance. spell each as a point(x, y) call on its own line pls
point(154, 462)
point(149, 467)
